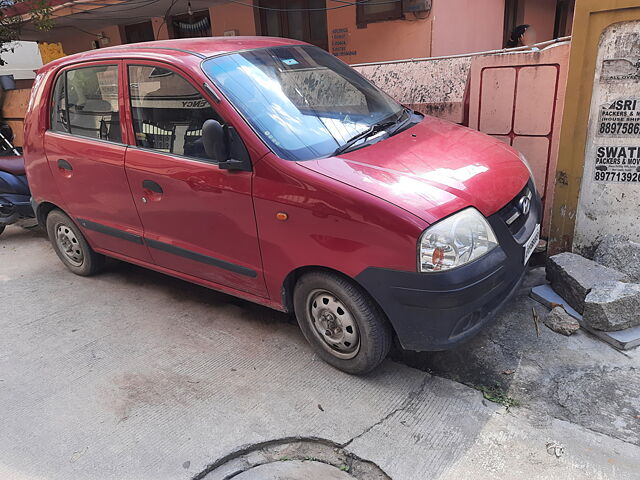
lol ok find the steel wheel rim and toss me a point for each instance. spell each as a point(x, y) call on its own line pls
point(333, 324)
point(69, 245)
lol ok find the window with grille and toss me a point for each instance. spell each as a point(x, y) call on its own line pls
point(304, 20)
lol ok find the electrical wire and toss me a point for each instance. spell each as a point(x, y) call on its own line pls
point(165, 17)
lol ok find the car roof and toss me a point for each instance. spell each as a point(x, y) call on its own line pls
point(198, 48)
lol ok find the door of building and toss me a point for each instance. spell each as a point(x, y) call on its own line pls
point(139, 32)
point(304, 20)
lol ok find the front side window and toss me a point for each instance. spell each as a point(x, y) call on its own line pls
point(85, 103)
point(303, 102)
point(168, 112)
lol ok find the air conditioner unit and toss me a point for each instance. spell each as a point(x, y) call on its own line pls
point(416, 6)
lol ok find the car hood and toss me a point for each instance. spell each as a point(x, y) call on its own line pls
point(432, 170)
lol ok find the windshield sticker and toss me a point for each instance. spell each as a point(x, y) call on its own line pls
point(290, 61)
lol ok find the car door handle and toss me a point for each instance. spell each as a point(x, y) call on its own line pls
point(64, 165)
point(152, 186)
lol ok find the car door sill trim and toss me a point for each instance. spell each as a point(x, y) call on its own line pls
point(114, 232)
point(165, 247)
point(199, 257)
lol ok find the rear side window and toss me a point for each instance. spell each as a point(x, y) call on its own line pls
point(168, 112)
point(59, 117)
point(85, 103)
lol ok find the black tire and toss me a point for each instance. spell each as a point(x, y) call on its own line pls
point(374, 332)
point(85, 261)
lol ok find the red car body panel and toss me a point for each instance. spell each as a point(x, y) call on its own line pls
point(328, 225)
point(433, 170)
point(364, 209)
point(96, 190)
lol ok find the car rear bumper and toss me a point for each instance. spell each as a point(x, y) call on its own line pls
point(437, 311)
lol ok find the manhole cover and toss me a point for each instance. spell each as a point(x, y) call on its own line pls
point(294, 470)
point(293, 460)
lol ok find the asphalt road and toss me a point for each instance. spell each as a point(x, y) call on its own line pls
point(135, 375)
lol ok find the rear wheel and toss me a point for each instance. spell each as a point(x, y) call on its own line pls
point(71, 246)
point(344, 325)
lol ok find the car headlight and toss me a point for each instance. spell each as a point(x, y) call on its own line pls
point(455, 241)
point(524, 160)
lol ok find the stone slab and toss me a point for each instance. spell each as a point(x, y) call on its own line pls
point(573, 276)
point(613, 306)
point(622, 339)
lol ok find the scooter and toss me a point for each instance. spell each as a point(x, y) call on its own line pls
point(15, 196)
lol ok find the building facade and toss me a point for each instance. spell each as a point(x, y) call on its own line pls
point(357, 32)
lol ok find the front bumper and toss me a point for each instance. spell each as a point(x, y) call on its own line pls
point(437, 311)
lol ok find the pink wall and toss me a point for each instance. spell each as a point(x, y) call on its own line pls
point(541, 15)
point(466, 26)
point(74, 41)
point(230, 16)
point(381, 41)
point(160, 28)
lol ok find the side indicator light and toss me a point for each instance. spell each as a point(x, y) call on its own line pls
point(282, 216)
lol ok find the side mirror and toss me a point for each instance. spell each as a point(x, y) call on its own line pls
point(214, 141)
point(222, 144)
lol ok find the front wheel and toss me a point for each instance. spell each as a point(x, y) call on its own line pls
point(344, 325)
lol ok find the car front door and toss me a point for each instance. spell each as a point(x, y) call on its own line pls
point(85, 151)
point(198, 219)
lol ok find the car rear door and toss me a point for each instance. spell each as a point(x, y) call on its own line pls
point(85, 150)
point(197, 218)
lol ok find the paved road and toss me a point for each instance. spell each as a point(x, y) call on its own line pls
point(135, 375)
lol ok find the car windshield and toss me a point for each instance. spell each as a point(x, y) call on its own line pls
point(303, 102)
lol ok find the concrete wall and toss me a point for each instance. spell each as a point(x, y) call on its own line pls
point(381, 41)
point(465, 26)
point(610, 192)
point(434, 87)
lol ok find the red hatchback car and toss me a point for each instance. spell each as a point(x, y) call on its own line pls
point(268, 169)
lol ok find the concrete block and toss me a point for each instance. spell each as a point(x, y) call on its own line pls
point(613, 306)
point(573, 276)
point(620, 253)
point(561, 322)
point(622, 340)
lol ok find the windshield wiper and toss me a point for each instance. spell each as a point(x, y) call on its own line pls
point(401, 123)
point(373, 129)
